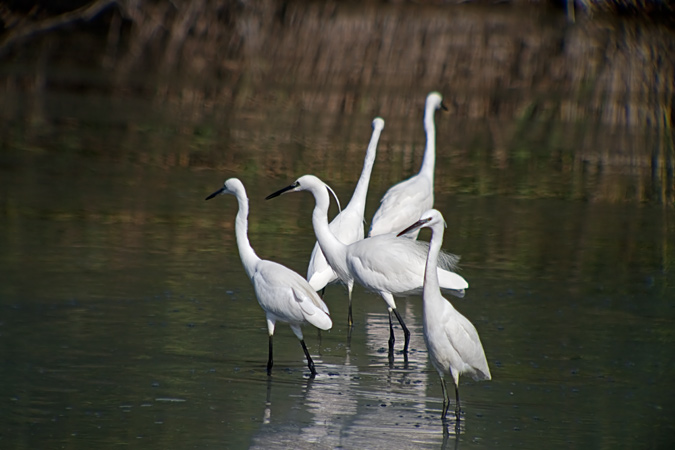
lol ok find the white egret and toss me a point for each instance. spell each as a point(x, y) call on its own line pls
point(347, 226)
point(384, 264)
point(404, 202)
point(282, 293)
point(452, 340)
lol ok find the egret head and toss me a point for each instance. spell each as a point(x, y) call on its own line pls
point(305, 183)
point(435, 101)
point(378, 123)
point(231, 186)
point(428, 219)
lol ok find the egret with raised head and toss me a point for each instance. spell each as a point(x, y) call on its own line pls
point(384, 264)
point(452, 340)
point(347, 226)
point(282, 293)
point(404, 202)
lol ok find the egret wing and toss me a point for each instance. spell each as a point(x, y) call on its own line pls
point(402, 205)
point(388, 263)
point(464, 338)
point(288, 296)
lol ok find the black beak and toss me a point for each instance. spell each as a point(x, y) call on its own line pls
point(443, 107)
point(414, 226)
point(281, 191)
point(219, 191)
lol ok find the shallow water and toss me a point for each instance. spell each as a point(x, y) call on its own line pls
point(126, 317)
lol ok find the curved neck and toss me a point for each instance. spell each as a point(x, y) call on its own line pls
point(358, 200)
point(431, 283)
point(248, 256)
point(332, 248)
point(429, 161)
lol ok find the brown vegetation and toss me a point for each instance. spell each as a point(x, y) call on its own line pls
point(525, 72)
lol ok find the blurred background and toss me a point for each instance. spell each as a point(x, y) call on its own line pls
point(125, 315)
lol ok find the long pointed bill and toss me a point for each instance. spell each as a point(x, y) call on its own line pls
point(281, 191)
point(419, 224)
point(443, 107)
point(219, 191)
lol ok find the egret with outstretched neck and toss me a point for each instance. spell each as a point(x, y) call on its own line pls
point(452, 340)
point(282, 293)
point(347, 226)
point(383, 264)
point(404, 202)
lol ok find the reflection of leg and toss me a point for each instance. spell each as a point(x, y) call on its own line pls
point(391, 334)
point(269, 359)
point(310, 363)
point(446, 435)
point(268, 402)
point(405, 330)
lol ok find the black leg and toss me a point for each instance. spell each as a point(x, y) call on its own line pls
point(269, 359)
point(391, 335)
point(310, 363)
point(446, 400)
point(350, 321)
point(457, 410)
point(405, 330)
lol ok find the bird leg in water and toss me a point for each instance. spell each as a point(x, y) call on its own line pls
point(269, 360)
point(310, 363)
point(350, 322)
point(446, 400)
point(405, 330)
point(391, 334)
point(457, 410)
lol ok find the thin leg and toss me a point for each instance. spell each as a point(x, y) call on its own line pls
point(269, 359)
point(391, 335)
point(446, 400)
point(405, 330)
point(350, 321)
point(310, 363)
point(457, 410)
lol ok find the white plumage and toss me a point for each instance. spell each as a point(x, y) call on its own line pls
point(404, 202)
point(452, 340)
point(347, 226)
point(282, 293)
point(384, 264)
